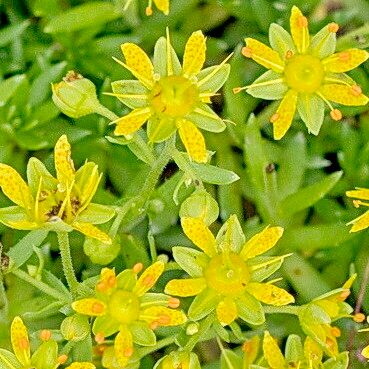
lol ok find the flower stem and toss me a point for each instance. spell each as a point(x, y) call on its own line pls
point(66, 258)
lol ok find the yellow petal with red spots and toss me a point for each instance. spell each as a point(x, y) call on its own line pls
point(194, 54)
point(299, 29)
point(20, 341)
point(158, 316)
point(197, 231)
point(14, 187)
point(345, 95)
point(81, 365)
point(131, 122)
point(149, 277)
point(63, 162)
point(261, 242)
point(263, 55)
point(226, 311)
point(359, 193)
point(89, 306)
point(91, 231)
point(345, 60)
point(185, 287)
point(138, 62)
point(162, 5)
point(272, 352)
point(193, 141)
point(360, 223)
point(282, 119)
point(269, 294)
point(123, 346)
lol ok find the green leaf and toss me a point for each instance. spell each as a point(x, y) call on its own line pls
point(9, 87)
point(92, 14)
point(214, 175)
point(309, 195)
point(12, 32)
point(230, 360)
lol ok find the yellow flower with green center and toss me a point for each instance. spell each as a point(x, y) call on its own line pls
point(228, 275)
point(123, 304)
point(361, 222)
point(170, 96)
point(305, 72)
point(60, 204)
point(45, 357)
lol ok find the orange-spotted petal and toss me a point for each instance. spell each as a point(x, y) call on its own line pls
point(299, 30)
point(14, 187)
point(272, 352)
point(261, 242)
point(131, 122)
point(91, 231)
point(345, 60)
point(194, 54)
point(81, 365)
point(162, 5)
point(107, 281)
point(20, 341)
point(263, 55)
point(359, 193)
point(360, 223)
point(149, 277)
point(89, 306)
point(282, 119)
point(197, 231)
point(123, 346)
point(63, 162)
point(345, 95)
point(226, 311)
point(185, 287)
point(193, 141)
point(158, 316)
point(269, 294)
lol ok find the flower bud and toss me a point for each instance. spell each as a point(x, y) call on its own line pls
point(75, 328)
point(101, 253)
point(75, 96)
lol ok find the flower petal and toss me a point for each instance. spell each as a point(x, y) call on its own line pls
point(345, 95)
point(105, 325)
point(81, 365)
point(131, 122)
point(138, 63)
point(359, 193)
point(194, 54)
point(90, 230)
point(261, 242)
point(14, 187)
point(280, 40)
point(249, 309)
point(311, 110)
point(360, 223)
point(20, 341)
point(299, 29)
point(269, 294)
point(323, 43)
point(148, 278)
point(131, 93)
point(193, 141)
point(345, 60)
point(263, 55)
point(190, 260)
point(165, 60)
point(162, 316)
point(197, 231)
point(282, 119)
point(16, 217)
point(162, 5)
point(123, 346)
point(185, 287)
point(63, 162)
point(89, 306)
point(227, 311)
point(205, 118)
point(203, 304)
point(219, 75)
point(272, 352)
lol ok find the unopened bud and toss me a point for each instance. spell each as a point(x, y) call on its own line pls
point(75, 328)
point(192, 329)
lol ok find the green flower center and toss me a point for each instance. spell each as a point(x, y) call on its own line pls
point(228, 274)
point(304, 73)
point(173, 96)
point(124, 306)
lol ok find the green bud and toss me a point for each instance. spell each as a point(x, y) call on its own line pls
point(192, 328)
point(46, 355)
point(101, 253)
point(200, 205)
point(75, 328)
point(75, 96)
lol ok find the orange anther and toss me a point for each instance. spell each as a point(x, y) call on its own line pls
point(101, 287)
point(99, 337)
point(154, 325)
point(97, 308)
point(336, 114)
point(62, 359)
point(148, 11)
point(335, 332)
point(274, 117)
point(344, 294)
point(246, 51)
point(236, 90)
point(247, 347)
point(289, 54)
point(329, 342)
point(99, 350)
point(23, 343)
point(356, 90)
point(344, 56)
point(359, 317)
point(128, 352)
point(111, 282)
point(302, 22)
point(333, 27)
point(137, 267)
point(45, 335)
point(173, 302)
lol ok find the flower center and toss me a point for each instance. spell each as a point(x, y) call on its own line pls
point(173, 96)
point(304, 73)
point(227, 274)
point(124, 306)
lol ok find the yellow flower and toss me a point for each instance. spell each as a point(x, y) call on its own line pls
point(122, 304)
point(46, 356)
point(228, 274)
point(179, 360)
point(162, 5)
point(362, 221)
point(305, 72)
point(169, 96)
point(61, 203)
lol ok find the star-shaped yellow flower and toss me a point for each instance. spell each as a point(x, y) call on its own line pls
point(305, 72)
point(170, 96)
point(61, 203)
point(361, 222)
point(228, 275)
point(122, 304)
point(46, 355)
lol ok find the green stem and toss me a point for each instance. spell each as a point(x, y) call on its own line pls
point(4, 305)
point(290, 309)
point(66, 258)
point(160, 344)
point(39, 285)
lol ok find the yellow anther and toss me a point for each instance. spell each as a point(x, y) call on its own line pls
point(289, 54)
point(356, 203)
point(359, 317)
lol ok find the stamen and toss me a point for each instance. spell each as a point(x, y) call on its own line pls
point(336, 332)
point(173, 303)
point(246, 51)
point(289, 54)
point(359, 317)
point(336, 80)
point(154, 325)
point(148, 10)
point(62, 359)
point(357, 203)
point(169, 54)
point(343, 296)
point(336, 114)
point(333, 27)
point(236, 90)
point(99, 337)
point(269, 262)
point(137, 268)
point(356, 90)
point(45, 335)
